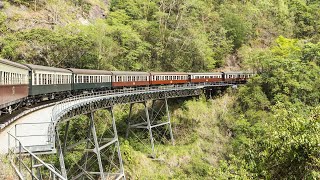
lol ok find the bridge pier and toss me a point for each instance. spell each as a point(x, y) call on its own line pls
point(151, 121)
point(101, 151)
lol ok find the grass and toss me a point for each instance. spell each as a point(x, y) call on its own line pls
point(6, 170)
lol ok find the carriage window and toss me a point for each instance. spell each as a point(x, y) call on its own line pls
point(49, 79)
point(43, 79)
point(35, 79)
point(5, 78)
point(40, 79)
point(60, 79)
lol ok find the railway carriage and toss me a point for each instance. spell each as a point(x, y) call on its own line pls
point(48, 82)
point(163, 78)
point(236, 76)
point(205, 77)
point(86, 79)
point(129, 79)
point(13, 84)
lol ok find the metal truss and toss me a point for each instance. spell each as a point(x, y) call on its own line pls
point(96, 149)
point(105, 102)
point(151, 120)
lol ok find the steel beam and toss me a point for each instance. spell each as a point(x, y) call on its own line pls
point(169, 120)
point(61, 156)
point(149, 127)
point(65, 137)
point(122, 175)
point(96, 145)
point(128, 120)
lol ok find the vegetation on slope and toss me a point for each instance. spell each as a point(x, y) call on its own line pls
point(276, 122)
point(183, 35)
point(269, 129)
point(6, 171)
point(199, 144)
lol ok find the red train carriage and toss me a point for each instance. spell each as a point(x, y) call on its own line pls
point(163, 78)
point(14, 84)
point(206, 77)
point(129, 79)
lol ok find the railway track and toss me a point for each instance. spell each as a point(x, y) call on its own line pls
point(7, 119)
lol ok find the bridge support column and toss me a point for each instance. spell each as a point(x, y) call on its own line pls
point(96, 145)
point(101, 156)
point(152, 121)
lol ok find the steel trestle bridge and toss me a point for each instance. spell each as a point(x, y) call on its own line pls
point(99, 151)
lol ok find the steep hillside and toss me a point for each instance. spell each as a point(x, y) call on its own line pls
point(150, 35)
point(267, 129)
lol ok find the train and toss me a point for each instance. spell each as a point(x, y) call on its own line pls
point(28, 84)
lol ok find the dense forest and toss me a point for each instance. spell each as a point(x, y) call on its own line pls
point(266, 129)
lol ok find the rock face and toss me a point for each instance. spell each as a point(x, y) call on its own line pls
point(96, 12)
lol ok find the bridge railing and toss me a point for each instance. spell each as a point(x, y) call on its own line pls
point(27, 165)
point(28, 132)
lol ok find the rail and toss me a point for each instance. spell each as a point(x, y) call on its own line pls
point(27, 167)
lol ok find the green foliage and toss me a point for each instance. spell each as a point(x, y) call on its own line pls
point(159, 35)
point(276, 125)
point(311, 53)
point(306, 18)
point(238, 28)
point(273, 127)
point(3, 18)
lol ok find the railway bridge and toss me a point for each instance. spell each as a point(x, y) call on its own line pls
point(99, 148)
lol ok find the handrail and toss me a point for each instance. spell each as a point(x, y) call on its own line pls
point(21, 147)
